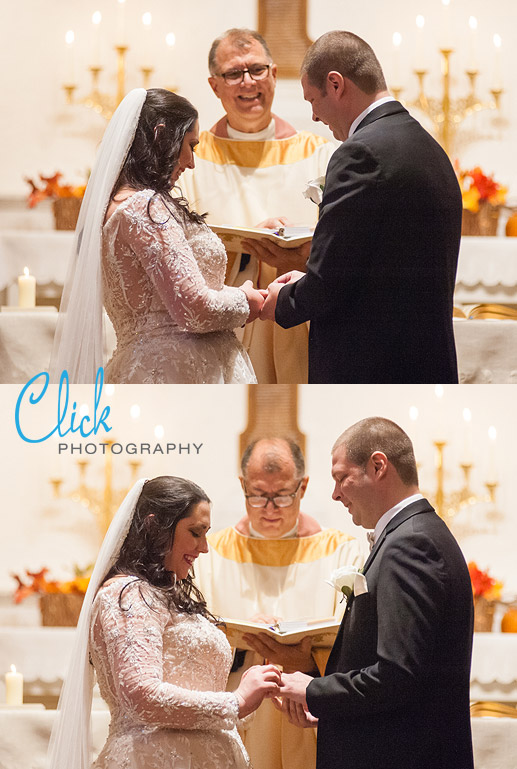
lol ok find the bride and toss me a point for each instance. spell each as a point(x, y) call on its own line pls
point(152, 262)
point(160, 659)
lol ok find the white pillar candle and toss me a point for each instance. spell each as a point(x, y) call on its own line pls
point(473, 27)
point(498, 71)
point(466, 459)
point(170, 40)
point(96, 39)
point(70, 57)
point(26, 289)
point(492, 467)
point(419, 44)
point(446, 25)
point(147, 20)
point(397, 40)
point(120, 38)
point(13, 687)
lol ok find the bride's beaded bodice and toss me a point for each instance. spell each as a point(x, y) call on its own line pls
point(163, 676)
point(163, 287)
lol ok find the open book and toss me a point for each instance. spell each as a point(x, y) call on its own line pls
point(322, 632)
point(286, 237)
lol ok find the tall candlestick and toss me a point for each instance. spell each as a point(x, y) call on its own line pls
point(26, 289)
point(419, 44)
point(472, 61)
point(121, 23)
point(498, 71)
point(13, 687)
point(70, 57)
point(96, 39)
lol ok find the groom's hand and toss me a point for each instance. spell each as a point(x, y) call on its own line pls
point(268, 308)
point(290, 656)
point(293, 686)
point(295, 712)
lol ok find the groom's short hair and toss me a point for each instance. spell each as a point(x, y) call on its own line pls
point(348, 54)
point(380, 434)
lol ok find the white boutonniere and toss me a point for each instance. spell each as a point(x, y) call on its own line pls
point(314, 190)
point(348, 580)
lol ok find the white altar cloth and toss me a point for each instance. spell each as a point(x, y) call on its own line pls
point(487, 271)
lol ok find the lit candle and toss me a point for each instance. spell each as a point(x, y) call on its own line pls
point(492, 468)
point(147, 20)
point(473, 26)
point(467, 437)
point(498, 72)
point(419, 43)
point(70, 57)
point(170, 40)
point(121, 23)
point(135, 411)
point(159, 432)
point(13, 687)
point(446, 25)
point(96, 39)
point(26, 289)
point(397, 40)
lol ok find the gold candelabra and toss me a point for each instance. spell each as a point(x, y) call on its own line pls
point(447, 113)
point(103, 103)
point(101, 502)
point(450, 505)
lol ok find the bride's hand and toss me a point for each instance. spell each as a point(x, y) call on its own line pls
point(255, 299)
point(256, 683)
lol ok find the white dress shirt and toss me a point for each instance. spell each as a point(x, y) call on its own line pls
point(367, 111)
point(391, 513)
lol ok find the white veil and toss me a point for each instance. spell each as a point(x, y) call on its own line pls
point(70, 741)
point(79, 339)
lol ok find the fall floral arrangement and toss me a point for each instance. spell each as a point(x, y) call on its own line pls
point(53, 189)
point(40, 585)
point(483, 585)
point(477, 187)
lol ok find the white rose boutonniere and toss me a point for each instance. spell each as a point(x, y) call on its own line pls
point(314, 190)
point(348, 580)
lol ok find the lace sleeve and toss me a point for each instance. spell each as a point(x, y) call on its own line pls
point(167, 258)
point(133, 640)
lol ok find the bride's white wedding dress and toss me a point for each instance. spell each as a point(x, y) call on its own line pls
point(163, 677)
point(163, 287)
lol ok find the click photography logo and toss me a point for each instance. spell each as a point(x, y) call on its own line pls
point(44, 412)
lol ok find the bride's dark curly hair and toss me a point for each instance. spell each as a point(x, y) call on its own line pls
point(162, 503)
point(164, 120)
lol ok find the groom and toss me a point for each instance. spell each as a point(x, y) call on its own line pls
point(395, 694)
point(381, 273)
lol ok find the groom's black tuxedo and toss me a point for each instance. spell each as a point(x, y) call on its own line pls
point(395, 694)
point(381, 273)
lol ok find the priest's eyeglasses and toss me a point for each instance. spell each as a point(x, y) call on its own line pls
point(256, 72)
point(283, 500)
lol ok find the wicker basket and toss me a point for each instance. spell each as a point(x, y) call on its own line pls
point(61, 609)
point(483, 614)
point(483, 222)
point(66, 211)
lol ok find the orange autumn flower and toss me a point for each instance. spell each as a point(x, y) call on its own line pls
point(41, 585)
point(53, 189)
point(477, 186)
point(483, 584)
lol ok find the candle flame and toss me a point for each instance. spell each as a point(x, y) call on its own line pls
point(473, 22)
point(26, 271)
point(397, 39)
point(467, 415)
point(121, 2)
point(159, 432)
point(170, 39)
point(135, 411)
point(446, 2)
point(109, 389)
point(13, 668)
point(97, 17)
point(492, 433)
point(413, 413)
point(497, 41)
point(420, 21)
point(69, 37)
point(147, 19)
point(438, 390)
